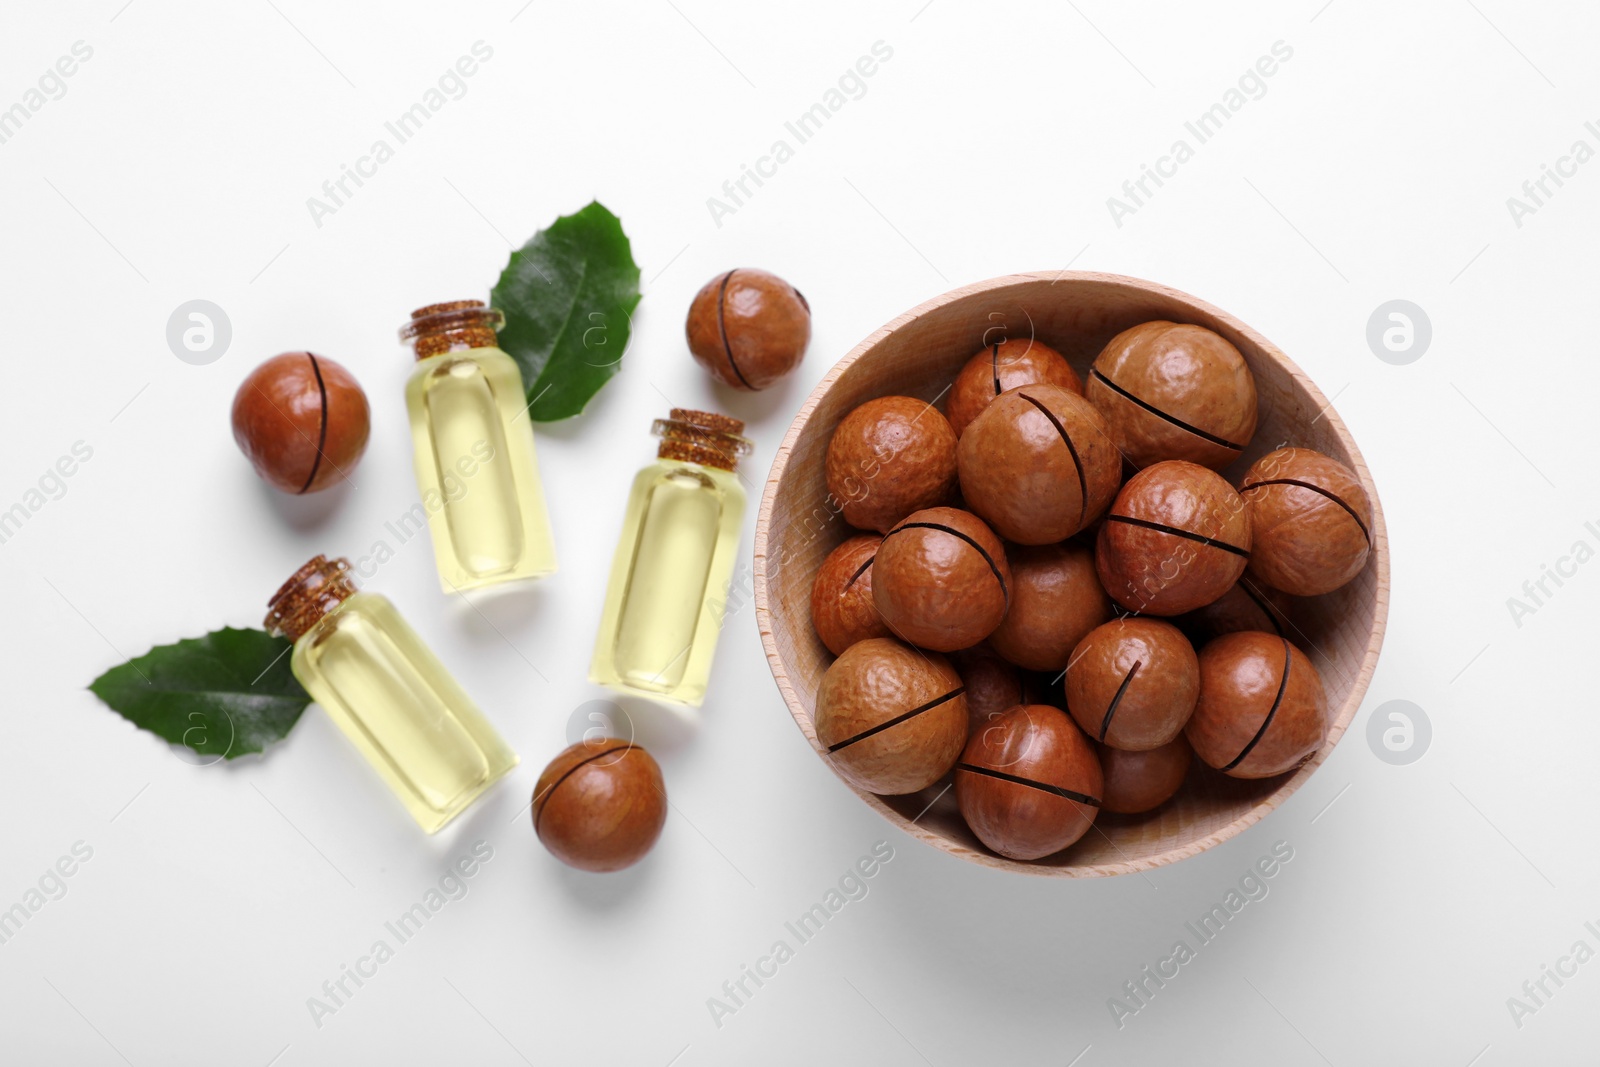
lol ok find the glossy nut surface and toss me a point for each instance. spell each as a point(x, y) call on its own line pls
point(748, 328)
point(842, 610)
point(1174, 391)
point(993, 685)
point(1176, 539)
point(1038, 464)
point(1309, 521)
point(1029, 784)
point(1245, 606)
point(892, 718)
point(1056, 599)
point(600, 806)
point(1133, 682)
point(1003, 366)
point(940, 580)
point(1262, 711)
point(302, 421)
point(1137, 782)
point(889, 457)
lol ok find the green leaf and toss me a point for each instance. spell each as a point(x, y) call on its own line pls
point(568, 296)
point(225, 694)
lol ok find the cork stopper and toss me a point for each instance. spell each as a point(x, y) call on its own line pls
point(314, 590)
point(454, 326)
point(702, 437)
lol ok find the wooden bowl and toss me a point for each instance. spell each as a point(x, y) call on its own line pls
point(918, 354)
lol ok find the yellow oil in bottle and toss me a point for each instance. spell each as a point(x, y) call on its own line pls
point(669, 577)
point(390, 695)
point(474, 451)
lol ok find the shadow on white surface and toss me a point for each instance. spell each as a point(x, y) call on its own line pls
point(601, 894)
point(306, 512)
point(776, 403)
point(508, 613)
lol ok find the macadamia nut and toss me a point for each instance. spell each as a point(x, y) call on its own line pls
point(891, 718)
point(1038, 465)
point(1169, 390)
point(889, 457)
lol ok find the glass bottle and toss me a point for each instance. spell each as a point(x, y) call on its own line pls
point(387, 692)
point(474, 450)
point(669, 577)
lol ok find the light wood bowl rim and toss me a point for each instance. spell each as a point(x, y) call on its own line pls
point(1341, 718)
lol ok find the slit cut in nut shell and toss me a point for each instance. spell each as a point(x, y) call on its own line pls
point(1177, 538)
point(1003, 366)
point(1170, 390)
point(891, 718)
point(1261, 710)
point(1038, 464)
point(940, 580)
point(1029, 784)
point(1310, 521)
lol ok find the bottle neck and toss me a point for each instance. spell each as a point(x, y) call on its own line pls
point(311, 593)
point(456, 326)
point(702, 437)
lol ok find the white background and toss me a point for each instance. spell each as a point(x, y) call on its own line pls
point(218, 899)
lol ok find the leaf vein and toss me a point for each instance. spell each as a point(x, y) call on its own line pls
point(577, 297)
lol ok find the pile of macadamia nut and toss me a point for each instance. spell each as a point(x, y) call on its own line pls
point(1017, 613)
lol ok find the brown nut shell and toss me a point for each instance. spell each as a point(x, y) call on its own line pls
point(1170, 390)
point(1309, 521)
point(1003, 366)
point(1262, 710)
point(893, 719)
point(841, 595)
point(1132, 683)
point(889, 457)
point(600, 805)
point(1038, 465)
point(940, 579)
point(748, 328)
point(302, 421)
point(1029, 784)
point(1176, 539)
point(1138, 782)
point(993, 685)
point(1056, 599)
point(1246, 606)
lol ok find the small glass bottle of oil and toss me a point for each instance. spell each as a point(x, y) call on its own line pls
point(670, 575)
point(474, 450)
point(387, 692)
